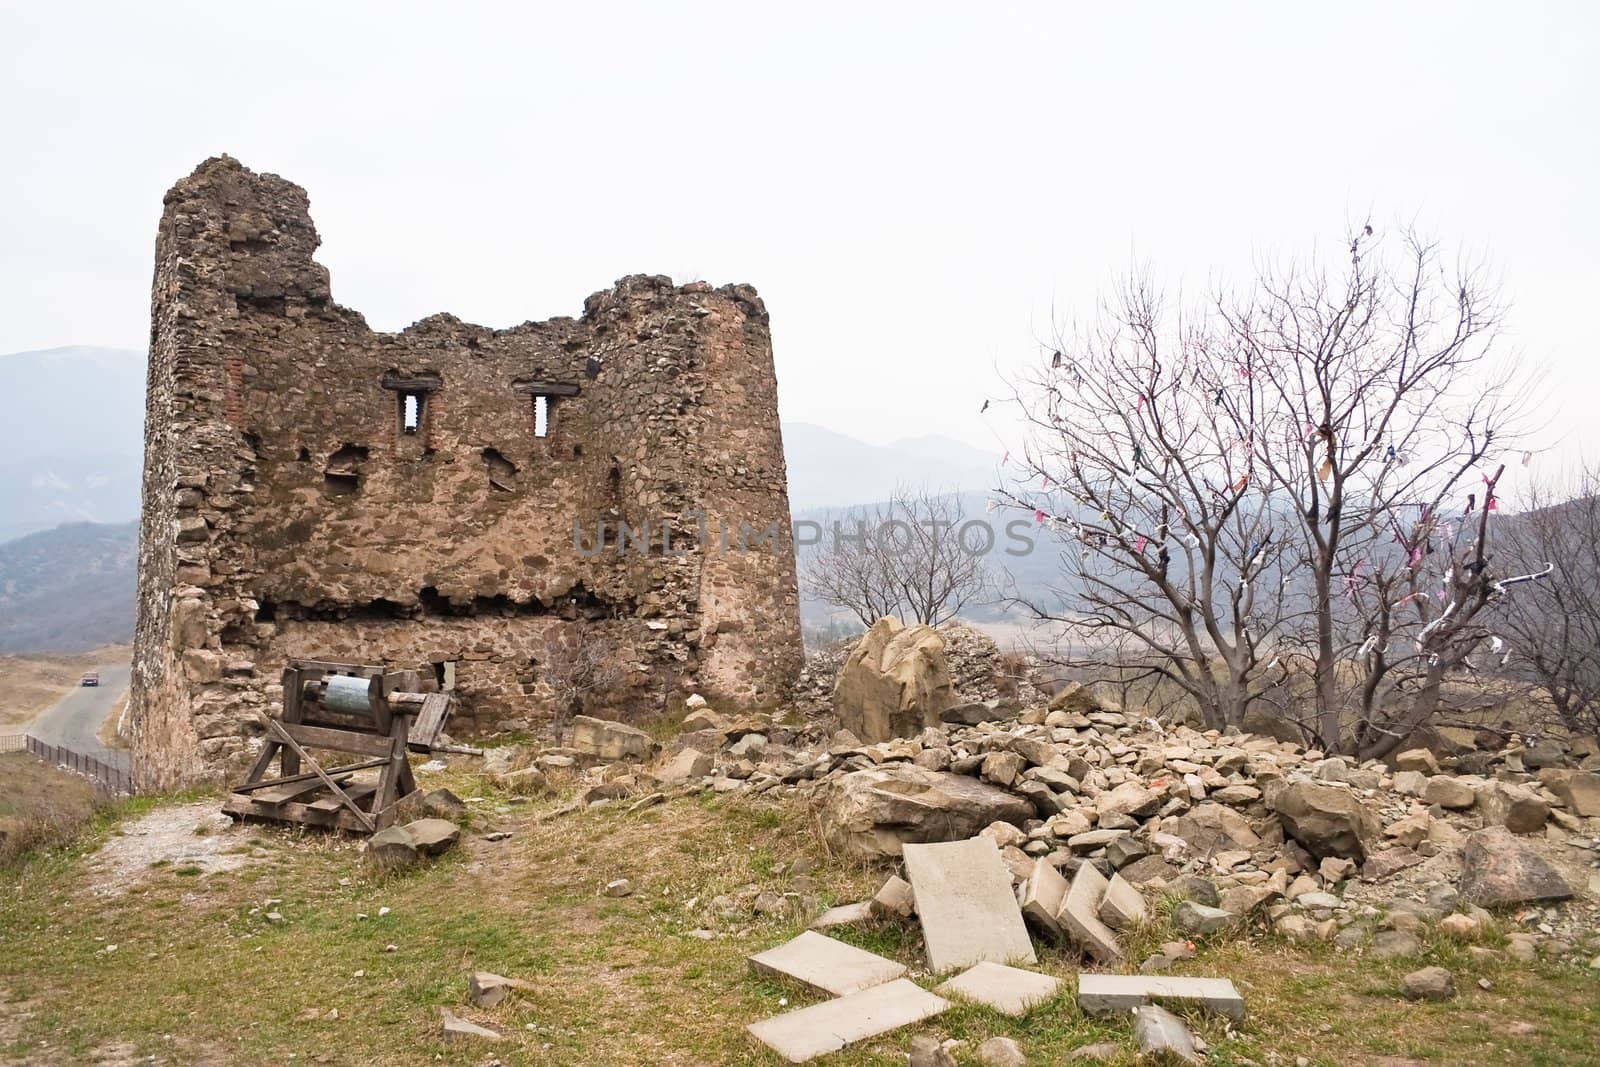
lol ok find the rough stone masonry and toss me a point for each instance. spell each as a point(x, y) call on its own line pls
point(315, 489)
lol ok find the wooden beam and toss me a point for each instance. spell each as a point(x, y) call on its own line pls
point(333, 787)
point(252, 786)
point(546, 388)
point(360, 744)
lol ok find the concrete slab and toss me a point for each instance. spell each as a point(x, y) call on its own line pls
point(843, 915)
point(1080, 915)
point(1122, 907)
point(1116, 994)
point(801, 1035)
point(826, 965)
point(1042, 894)
point(1008, 990)
point(968, 910)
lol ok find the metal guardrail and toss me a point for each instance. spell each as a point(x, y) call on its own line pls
point(13, 742)
point(109, 779)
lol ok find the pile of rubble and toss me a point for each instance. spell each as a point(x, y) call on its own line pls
point(1076, 815)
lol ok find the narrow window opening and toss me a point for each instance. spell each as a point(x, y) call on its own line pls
point(410, 412)
point(444, 674)
point(541, 415)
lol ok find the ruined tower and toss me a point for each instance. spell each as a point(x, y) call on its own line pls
point(315, 489)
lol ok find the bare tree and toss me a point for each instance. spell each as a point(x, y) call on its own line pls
point(912, 557)
point(574, 667)
point(1271, 497)
point(1549, 634)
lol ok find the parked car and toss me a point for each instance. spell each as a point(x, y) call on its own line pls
point(90, 678)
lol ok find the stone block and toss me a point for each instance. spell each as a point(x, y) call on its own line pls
point(1123, 906)
point(1115, 994)
point(1080, 916)
point(1042, 894)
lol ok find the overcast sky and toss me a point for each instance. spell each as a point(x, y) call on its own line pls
point(914, 189)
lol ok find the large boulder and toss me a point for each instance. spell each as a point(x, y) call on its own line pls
point(1497, 870)
point(894, 683)
point(1578, 790)
point(610, 740)
point(1516, 807)
point(1329, 820)
point(872, 813)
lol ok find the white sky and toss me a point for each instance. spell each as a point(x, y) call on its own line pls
point(912, 188)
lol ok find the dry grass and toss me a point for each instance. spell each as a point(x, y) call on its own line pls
point(40, 806)
point(618, 981)
point(30, 683)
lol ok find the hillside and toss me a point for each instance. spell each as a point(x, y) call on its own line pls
point(69, 589)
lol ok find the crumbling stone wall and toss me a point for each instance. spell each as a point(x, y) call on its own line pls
point(315, 489)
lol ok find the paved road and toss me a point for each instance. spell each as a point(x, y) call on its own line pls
point(74, 720)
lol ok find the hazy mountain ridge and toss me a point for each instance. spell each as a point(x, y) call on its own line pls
point(73, 439)
point(69, 589)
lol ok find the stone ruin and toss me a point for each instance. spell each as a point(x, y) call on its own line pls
point(449, 498)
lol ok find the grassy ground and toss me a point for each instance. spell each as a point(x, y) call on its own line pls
point(187, 969)
point(30, 683)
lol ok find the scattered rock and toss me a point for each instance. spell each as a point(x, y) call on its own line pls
point(619, 887)
point(610, 740)
point(458, 1029)
point(926, 1051)
point(1198, 920)
point(1516, 807)
point(1430, 983)
point(1327, 819)
point(433, 837)
point(392, 849)
point(1162, 1037)
point(1001, 1052)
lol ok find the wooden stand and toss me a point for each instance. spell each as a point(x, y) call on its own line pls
point(398, 718)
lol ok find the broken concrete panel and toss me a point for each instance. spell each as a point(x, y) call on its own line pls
point(1080, 915)
point(1123, 906)
point(843, 915)
point(802, 1035)
point(966, 905)
point(1112, 994)
point(894, 899)
point(825, 965)
point(1042, 895)
point(1008, 990)
point(456, 1028)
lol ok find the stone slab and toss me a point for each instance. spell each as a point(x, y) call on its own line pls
point(1080, 915)
point(844, 915)
point(802, 1035)
point(1008, 990)
point(1042, 894)
point(1114, 994)
point(965, 902)
point(825, 965)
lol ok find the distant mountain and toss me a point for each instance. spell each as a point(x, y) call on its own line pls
point(72, 440)
point(831, 469)
point(69, 589)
